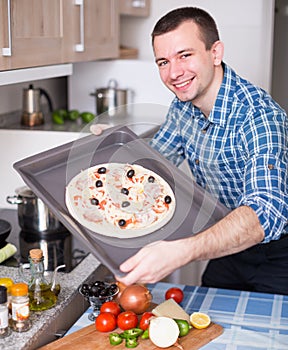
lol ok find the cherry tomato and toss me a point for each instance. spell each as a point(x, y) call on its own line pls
point(174, 293)
point(145, 319)
point(111, 306)
point(127, 320)
point(106, 322)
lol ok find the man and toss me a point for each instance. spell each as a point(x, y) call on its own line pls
point(234, 137)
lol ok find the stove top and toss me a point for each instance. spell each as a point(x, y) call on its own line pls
point(24, 241)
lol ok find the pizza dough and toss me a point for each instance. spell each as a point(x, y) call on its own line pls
point(120, 200)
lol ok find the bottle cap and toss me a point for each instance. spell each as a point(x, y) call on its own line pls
point(36, 254)
point(19, 289)
point(3, 294)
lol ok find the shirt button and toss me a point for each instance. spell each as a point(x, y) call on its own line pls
point(270, 166)
point(204, 131)
point(197, 161)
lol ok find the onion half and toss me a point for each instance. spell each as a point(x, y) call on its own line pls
point(163, 331)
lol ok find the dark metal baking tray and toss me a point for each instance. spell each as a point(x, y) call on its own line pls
point(48, 173)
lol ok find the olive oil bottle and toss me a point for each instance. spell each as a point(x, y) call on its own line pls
point(40, 295)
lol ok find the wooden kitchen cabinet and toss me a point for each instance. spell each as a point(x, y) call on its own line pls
point(41, 32)
point(139, 8)
point(31, 33)
point(91, 30)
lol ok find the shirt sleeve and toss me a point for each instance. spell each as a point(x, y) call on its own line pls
point(167, 140)
point(265, 177)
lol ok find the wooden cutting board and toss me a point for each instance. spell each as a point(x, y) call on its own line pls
point(89, 339)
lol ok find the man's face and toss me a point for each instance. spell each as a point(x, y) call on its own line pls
point(185, 66)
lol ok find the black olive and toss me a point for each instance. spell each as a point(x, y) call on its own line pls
point(113, 288)
point(85, 289)
point(94, 201)
point(95, 291)
point(99, 283)
point(168, 199)
point(99, 183)
point(125, 191)
point(125, 204)
point(130, 173)
point(101, 170)
point(151, 179)
point(121, 222)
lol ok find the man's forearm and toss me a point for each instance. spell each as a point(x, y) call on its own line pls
point(238, 231)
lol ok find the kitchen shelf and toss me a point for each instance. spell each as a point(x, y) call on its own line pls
point(128, 52)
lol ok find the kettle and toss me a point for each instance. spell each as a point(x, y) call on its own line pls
point(32, 114)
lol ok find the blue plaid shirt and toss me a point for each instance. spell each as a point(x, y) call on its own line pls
point(238, 153)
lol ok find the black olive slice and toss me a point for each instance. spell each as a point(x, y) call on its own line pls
point(98, 183)
point(121, 222)
point(125, 190)
point(151, 179)
point(101, 170)
point(168, 199)
point(125, 204)
point(94, 201)
point(130, 173)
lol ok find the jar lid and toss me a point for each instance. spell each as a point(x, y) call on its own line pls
point(19, 289)
point(3, 294)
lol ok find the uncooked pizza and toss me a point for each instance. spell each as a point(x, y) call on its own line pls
point(120, 200)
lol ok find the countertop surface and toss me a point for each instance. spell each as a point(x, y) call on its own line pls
point(42, 320)
point(251, 321)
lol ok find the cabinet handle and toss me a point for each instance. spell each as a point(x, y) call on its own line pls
point(138, 3)
point(80, 47)
point(7, 51)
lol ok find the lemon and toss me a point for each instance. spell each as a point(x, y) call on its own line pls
point(87, 117)
point(200, 320)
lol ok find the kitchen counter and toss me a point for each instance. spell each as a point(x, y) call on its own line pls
point(53, 323)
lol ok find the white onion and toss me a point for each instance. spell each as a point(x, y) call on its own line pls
point(163, 331)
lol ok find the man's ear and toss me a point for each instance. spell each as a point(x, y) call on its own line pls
point(218, 52)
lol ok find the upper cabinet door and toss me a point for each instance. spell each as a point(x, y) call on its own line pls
point(91, 30)
point(31, 33)
point(139, 8)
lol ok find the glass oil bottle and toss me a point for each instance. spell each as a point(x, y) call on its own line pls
point(41, 296)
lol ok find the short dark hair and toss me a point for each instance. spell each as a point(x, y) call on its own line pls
point(173, 19)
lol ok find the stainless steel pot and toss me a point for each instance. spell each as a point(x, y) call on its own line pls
point(33, 214)
point(111, 100)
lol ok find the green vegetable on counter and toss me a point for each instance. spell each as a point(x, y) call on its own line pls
point(131, 333)
point(87, 117)
point(115, 338)
point(184, 327)
point(73, 114)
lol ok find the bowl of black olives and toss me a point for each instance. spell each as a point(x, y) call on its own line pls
point(97, 293)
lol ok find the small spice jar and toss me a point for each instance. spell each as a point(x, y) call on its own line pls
point(20, 321)
point(4, 319)
point(8, 283)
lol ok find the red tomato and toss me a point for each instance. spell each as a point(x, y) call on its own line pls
point(174, 293)
point(111, 306)
point(145, 319)
point(106, 322)
point(127, 320)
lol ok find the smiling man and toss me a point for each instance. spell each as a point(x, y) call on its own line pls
point(234, 137)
